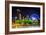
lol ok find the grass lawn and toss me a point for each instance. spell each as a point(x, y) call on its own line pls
point(24, 21)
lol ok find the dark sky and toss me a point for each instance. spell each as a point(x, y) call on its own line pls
point(26, 11)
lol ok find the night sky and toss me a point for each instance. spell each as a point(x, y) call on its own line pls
point(26, 11)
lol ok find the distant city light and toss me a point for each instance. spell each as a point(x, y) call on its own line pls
point(33, 18)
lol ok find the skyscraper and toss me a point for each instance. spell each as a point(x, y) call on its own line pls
point(19, 14)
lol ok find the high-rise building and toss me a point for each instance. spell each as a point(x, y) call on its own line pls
point(18, 14)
